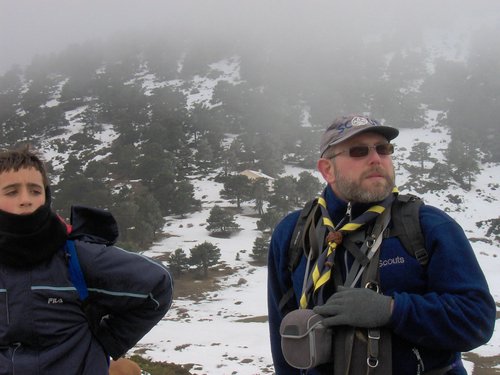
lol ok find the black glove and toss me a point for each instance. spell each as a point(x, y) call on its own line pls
point(357, 307)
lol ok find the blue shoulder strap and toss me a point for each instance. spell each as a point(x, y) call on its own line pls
point(75, 271)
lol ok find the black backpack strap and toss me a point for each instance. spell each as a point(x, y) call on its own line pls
point(295, 250)
point(406, 226)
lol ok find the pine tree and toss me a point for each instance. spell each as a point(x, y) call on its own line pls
point(285, 195)
point(178, 262)
point(269, 220)
point(204, 255)
point(260, 193)
point(236, 187)
point(463, 156)
point(260, 249)
point(308, 186)
point(221, 221)
point(420, 152)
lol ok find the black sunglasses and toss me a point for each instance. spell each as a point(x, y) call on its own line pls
point(362, 151)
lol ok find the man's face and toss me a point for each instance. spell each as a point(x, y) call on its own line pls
point(22, 191)
point(363, 179)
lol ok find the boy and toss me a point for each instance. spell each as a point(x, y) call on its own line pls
point(44, 327)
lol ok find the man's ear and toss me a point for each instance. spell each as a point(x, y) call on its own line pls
point(326, 168)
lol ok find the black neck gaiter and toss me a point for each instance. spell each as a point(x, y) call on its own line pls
point(27, 240)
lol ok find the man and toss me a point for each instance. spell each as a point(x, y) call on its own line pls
point(432, 312)
point(45, 328)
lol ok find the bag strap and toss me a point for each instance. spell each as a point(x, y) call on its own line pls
point(295, 250)
point(406, 226)
point(369, 248)
point(369, 279)
point(297, 239)
point(75, 271)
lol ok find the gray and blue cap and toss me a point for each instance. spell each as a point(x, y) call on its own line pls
point(346, 127)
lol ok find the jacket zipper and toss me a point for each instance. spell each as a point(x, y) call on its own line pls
point(420, 366)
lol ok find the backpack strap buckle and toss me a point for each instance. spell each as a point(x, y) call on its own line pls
point(373, 347)
point(422, 256)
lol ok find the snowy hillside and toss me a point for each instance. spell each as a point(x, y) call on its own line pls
point(213, 334)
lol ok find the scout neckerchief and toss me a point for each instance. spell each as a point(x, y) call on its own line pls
point(321, 271)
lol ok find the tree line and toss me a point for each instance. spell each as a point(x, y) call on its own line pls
point(139, 147)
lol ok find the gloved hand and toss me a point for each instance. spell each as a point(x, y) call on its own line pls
point(357, 307)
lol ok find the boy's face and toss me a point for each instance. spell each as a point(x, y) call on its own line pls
point(22, 191)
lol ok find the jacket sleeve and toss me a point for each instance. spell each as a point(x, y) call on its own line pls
point(277, 285)
point(128, 295)
point(456, 311)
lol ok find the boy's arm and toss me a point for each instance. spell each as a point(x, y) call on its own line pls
point(128, 295)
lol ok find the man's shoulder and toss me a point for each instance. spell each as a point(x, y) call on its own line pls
point(434, 215)
point(287, 223)
point(283, 231)
point(428, 214)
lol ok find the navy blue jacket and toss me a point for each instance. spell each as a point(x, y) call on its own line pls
point(43, 326)
point(439, 311)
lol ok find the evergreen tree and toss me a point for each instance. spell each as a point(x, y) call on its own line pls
point(420, 152)
point(79, 190)
point(221, 221)
point(260, 192)
point(178, 262)
point(149, 213)
point(463, 156)
point(229, 161)
point(260, 249)
point(204, 256)
point(125, 161)
point(204, 154)
point(268, 154)
point(439, 177)
point(125, 212)
point(284, 197)
point(307, 186)
point(236, 187)
point(139, 217)
point(182, 199)
point(269, 220)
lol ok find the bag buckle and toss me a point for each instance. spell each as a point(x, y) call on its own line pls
point(372, 362)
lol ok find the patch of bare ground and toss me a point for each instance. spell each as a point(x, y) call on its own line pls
point(193, 286)
point(160, 368)
point(483, 365)
point(254, 319)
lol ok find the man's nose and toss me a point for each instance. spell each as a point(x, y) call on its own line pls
point(373, 155)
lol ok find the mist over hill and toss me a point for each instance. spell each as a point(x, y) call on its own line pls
point(157, 126)
point(128, 122)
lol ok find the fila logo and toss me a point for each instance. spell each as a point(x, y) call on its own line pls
point(51, 301)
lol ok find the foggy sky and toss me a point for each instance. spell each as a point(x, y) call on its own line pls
point(30, 27)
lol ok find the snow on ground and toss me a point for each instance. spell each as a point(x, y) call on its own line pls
point(226, 332)
point(210, 333)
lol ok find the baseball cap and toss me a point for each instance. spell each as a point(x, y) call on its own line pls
point(346, 127)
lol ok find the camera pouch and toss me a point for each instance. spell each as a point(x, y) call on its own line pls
point(305, 342)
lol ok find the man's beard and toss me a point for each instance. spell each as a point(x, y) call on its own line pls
point(352, 191)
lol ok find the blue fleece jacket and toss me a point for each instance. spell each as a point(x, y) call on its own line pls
point(439, 311)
